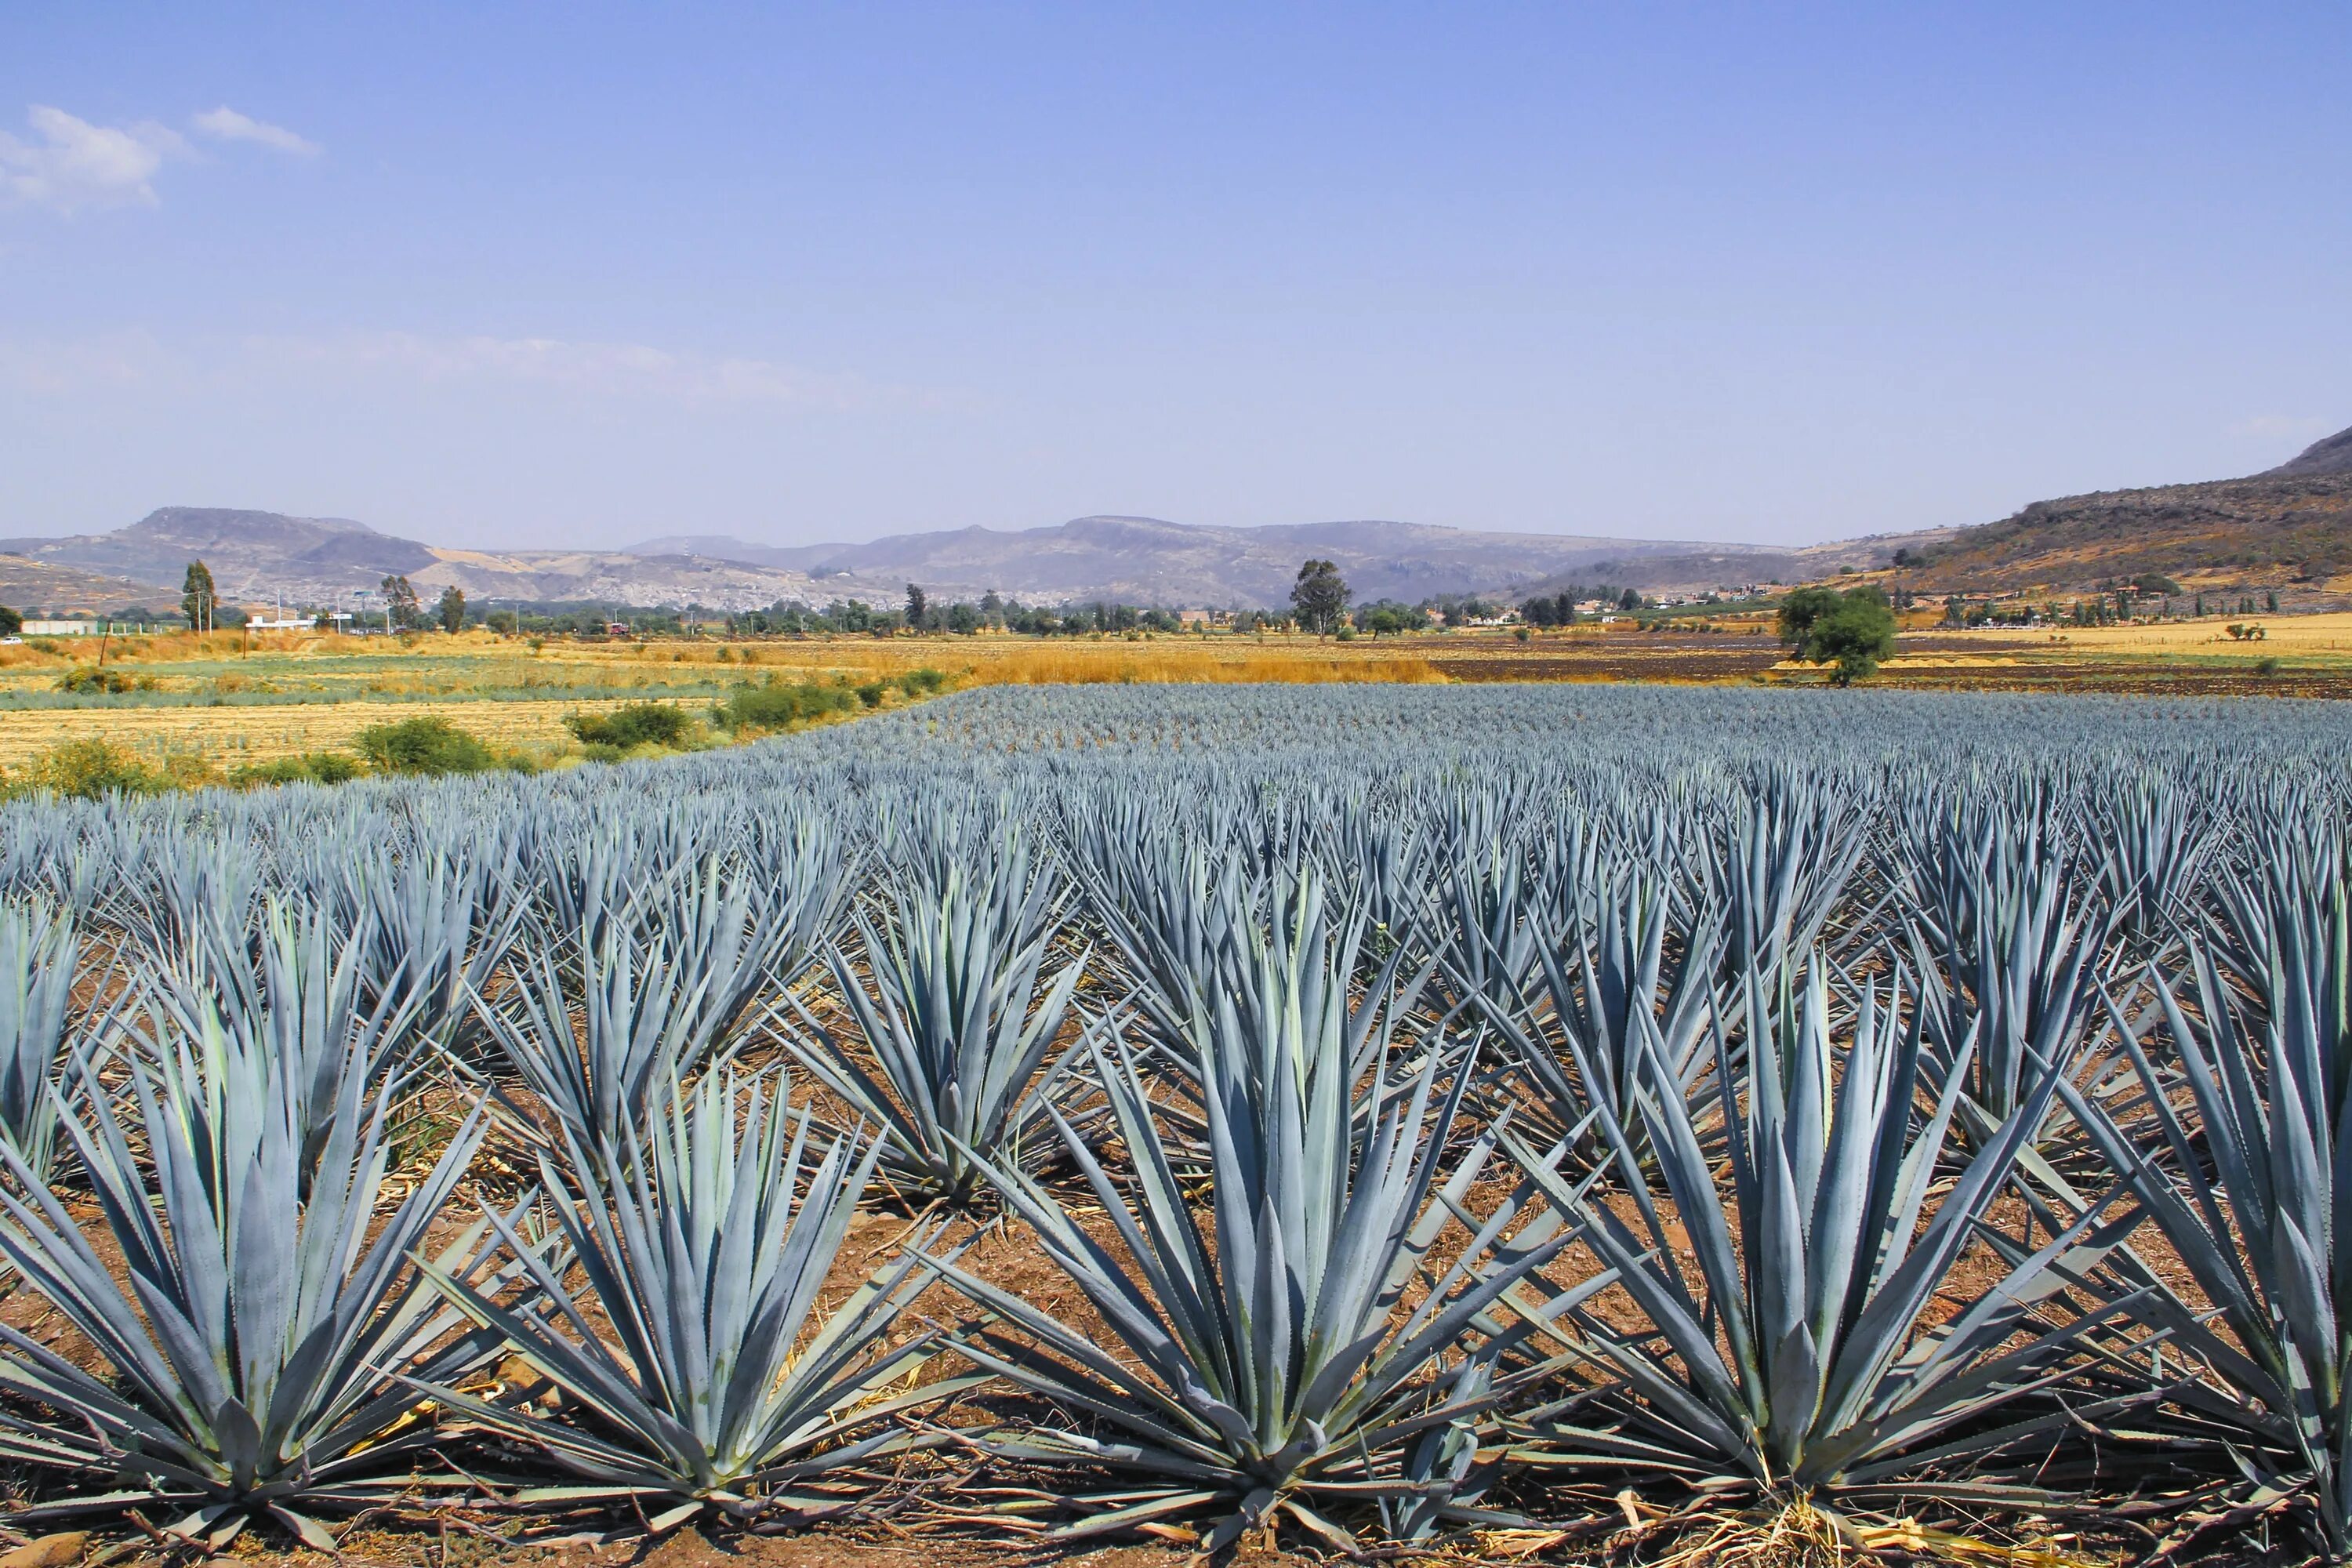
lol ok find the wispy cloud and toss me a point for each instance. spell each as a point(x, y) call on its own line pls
point(114, 361)
point(225, 124)
point(577, 368)
point(596, 368)
point(71, 165)
point(2284, 427)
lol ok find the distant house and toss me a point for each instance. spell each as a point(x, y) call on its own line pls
point(1188, 618)
point(616, 629)
point(63, 628)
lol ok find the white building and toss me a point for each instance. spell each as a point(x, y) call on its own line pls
point(63, 628)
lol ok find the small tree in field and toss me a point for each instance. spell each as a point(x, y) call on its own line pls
point(1851, 631)
point(1320, 597)
point(451, 610)
point(196, 596)
point(400, 603)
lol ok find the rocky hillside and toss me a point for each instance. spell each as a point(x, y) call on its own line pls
point(2289, 526)
point(1143, 560)
point(255, 556)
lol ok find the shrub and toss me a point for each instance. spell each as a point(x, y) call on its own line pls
point(1853, 630)
point(422, 745)
point(922, 682)
point(310, 767)
point(778, 706)
point(91, 770)
point(872, 693)
point(637, 724)
point(88, 680)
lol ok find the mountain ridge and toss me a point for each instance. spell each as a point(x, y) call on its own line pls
point(2287, 525)
point(2296, 517)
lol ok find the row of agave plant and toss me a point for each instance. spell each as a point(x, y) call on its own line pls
point(1777, 1136)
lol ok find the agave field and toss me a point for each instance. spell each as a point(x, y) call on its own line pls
point(1580, 1123)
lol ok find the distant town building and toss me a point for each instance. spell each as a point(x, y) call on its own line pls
point(63, 628)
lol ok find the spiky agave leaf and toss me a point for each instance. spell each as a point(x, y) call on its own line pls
point(2252, 1193)
point(297, 993)
point(1802, 1354)
point(1168, 905)
point(1781, 863)
point(438, 924)
point(256, 1346)
point(641, 1020)
point(2151, 840)
point(1266, 1364)
point(956, 1023)
point(1611, 985)
point(2010, 963)
point(1490, 948)
point(726, 1388)
point(39, 954)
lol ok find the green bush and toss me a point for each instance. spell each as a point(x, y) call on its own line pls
point(310, 767)
point(872, 693)
point(1853, 630)
point(427, 745)
point(637, 724)
point(778, 706)
point(91, 770)
point(922, 682)
point(88, 680)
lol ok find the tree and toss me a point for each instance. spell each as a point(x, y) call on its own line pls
point(1631, 599)
point(196, 596)
point(918, 608)
point(1853, 630)
point(452, 608)
point(11, 623)
point(1320, 597)
point(400, 605)
point(963, 618)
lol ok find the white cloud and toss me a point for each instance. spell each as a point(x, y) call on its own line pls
point(115, 362)
point(225, 124)
point(73, 165)
point(603, 369)
point(575, 368)
point(2284, 427)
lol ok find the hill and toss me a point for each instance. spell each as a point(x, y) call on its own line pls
point(1144, 560)
point(2291, 524)
point(2331, 455)
point(255, 556)
point(251, 555)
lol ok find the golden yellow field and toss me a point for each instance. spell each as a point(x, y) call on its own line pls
point(232, 738)
point(2282, 636)
point(233, 701)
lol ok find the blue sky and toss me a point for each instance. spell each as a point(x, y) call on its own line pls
point(577, 274)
